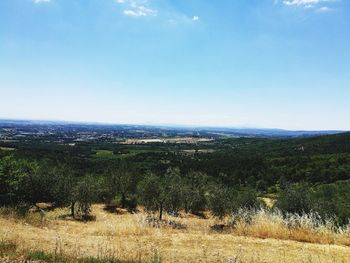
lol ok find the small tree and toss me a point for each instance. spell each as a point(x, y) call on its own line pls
point(219, 201)
point(173, 191)
point(64, 188)
point(194, 192)
point(12, 181)
point(122, 180)
point(194, 199)
point(85, 194)
point(151, 193)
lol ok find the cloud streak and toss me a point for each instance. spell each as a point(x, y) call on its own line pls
point(195, 18)
point(305, 3)
point(41, 1)
point(137, 8)
point(320, 6)
point(324, 9)
point(144, 8)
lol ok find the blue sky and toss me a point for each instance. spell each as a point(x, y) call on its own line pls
point(238, 63)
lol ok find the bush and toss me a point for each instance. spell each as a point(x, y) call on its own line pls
point(329, 201)
point(22, 209)
point(223, 201)
point(130, 203)
point(333, 201)
point(245, 199)
point(295, 199)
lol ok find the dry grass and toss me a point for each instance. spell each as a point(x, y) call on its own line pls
point(303, 228)
point(129, 237)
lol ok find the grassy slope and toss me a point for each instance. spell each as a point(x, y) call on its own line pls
point(127, 237)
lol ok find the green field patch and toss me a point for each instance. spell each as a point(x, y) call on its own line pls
point(7, 149)
point(134, 152)
point(104, 153)
point(108, 154)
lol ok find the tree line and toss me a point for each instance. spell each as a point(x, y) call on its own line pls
point(25, 183)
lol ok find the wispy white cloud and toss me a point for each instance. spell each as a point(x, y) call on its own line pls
point(305, 3)
point(182, 19)
point(41, 1)
point(319, 6)
point(137, 8)
point(145, 8)
point(195, 18)
point(324, 9)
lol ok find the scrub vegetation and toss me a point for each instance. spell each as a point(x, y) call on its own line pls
point(245, 200)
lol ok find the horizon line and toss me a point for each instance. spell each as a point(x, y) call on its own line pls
point(167, 125)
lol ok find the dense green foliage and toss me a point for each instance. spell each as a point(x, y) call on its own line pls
point(308, 174)
point(330, 201)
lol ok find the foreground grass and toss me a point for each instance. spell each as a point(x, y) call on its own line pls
point(45, 257)
point(40, 256)
point(265, 237)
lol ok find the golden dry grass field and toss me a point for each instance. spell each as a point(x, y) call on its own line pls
point(128, 236)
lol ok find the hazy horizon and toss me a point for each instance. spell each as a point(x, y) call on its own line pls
point(163, 125)
point(279, 64)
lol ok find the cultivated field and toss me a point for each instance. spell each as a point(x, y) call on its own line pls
point(266, 238)
point(186, 140)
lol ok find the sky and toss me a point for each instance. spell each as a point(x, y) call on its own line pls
point(233, 63)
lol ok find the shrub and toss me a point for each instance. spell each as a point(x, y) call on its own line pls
point(130, 203)
point(245, 199)
point(330, 201)
point(22, 209)
point(333, 201)
point(223, 201)
point(295, 199)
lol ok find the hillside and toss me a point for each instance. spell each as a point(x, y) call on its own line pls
point(324, 144)
point(130, 237)
point(203, 200)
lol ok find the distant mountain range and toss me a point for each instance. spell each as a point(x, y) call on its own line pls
point(165, 130)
